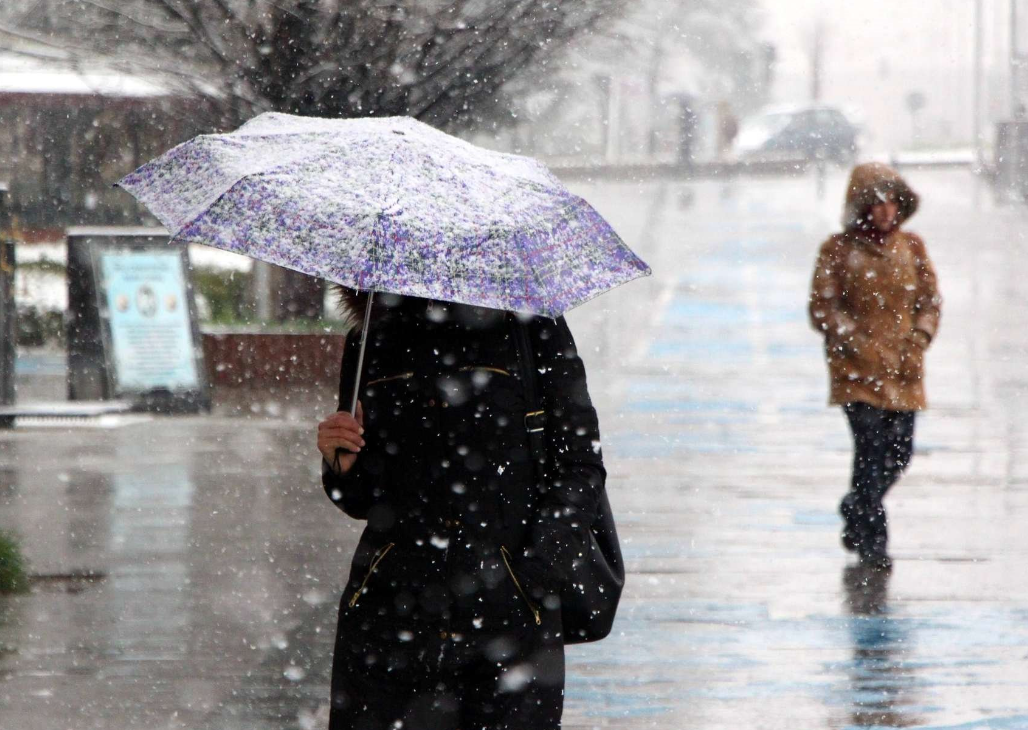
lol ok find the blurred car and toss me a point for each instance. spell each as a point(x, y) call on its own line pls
point(797, 133)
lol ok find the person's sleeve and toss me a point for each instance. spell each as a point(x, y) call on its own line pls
point(350, 492)
point(928, 303)
point(826, 306)
point(829, 314)
point(575, 476)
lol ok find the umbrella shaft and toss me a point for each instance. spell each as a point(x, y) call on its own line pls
point(360, 356)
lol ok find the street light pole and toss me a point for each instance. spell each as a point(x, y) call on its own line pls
point(817, 59)
point(976, 118)
point(1015, 61)
point(8, 313)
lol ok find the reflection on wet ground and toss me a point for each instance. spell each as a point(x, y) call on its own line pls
point(883, 681)
point(223, 562)
point(222, 569)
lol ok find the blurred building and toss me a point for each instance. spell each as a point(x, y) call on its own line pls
point(909, 77)
point(657, 87)
point(68, 132)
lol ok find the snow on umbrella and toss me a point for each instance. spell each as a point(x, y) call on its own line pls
point(390, 205)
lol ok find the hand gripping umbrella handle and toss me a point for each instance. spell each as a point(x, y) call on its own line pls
point(360, 366)
point(360, 355)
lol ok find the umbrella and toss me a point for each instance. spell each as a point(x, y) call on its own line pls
point(388, 205)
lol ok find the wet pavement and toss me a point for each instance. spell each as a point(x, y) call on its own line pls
point(219, 561)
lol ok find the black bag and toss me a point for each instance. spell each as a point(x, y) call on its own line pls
point(590, 599)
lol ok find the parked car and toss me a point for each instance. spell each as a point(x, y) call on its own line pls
point(797, 133)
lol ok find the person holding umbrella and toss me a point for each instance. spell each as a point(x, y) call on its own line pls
point(875, 300)
point(465, 436)
point(451, 616)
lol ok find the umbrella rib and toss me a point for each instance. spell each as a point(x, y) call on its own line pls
point(373, 251)
point(200, 210)
point(531, 271)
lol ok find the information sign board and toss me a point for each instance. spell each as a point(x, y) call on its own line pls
point(139, 289)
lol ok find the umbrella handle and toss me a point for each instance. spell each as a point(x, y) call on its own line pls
point(360, 356)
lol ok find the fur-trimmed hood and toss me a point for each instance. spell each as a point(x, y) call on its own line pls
point(351, 304)
point(870, 183)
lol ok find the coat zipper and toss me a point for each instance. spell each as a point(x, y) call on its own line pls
point(535, 611)
point(381, 553)
point(409, 375)
point(501, 371)
point(401, 376)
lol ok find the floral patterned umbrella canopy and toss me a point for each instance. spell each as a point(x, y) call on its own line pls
point(389, 205)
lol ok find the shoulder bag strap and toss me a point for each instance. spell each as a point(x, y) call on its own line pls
point(535, 416)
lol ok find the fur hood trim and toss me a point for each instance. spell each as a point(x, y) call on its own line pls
point(873, 182)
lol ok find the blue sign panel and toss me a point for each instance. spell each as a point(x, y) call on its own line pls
point(151, 333)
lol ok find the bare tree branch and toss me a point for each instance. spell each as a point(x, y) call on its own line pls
point(439, 61)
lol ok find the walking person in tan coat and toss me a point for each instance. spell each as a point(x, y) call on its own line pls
point(875, 300)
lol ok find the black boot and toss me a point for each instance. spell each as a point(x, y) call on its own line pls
point(873, 552)
point(850, 535)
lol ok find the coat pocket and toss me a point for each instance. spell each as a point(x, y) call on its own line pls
point(390, 378)
point(505, 554)
point(485, 369)
point(379, 554)
point(911, 362)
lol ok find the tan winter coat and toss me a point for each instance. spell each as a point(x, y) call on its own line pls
point(875, 300)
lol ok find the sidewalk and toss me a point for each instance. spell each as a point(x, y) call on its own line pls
point(217, 609)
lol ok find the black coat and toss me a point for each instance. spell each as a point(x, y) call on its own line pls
point(460, 536)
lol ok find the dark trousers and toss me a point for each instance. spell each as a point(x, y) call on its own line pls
point(883, 444)
point(428, 681)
